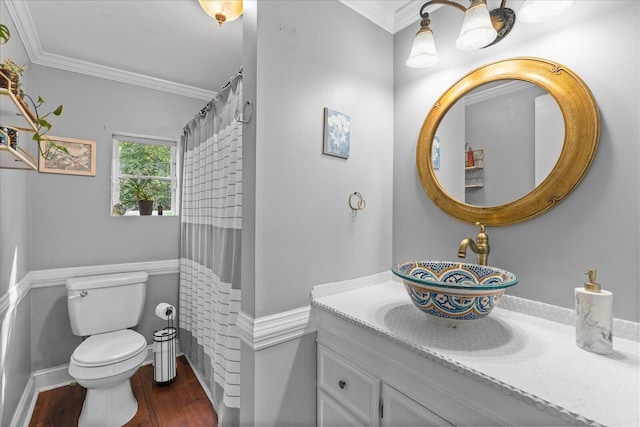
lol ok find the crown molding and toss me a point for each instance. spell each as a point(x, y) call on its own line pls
point(373, 11)
point(389, 19)
point(19, 12)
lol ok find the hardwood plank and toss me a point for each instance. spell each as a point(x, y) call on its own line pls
point(183, 403)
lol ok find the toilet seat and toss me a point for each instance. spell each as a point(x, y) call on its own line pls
point(107, 355)
point(108, 348)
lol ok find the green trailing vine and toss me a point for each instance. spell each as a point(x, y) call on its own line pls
point(49, 149)
point(5, 34)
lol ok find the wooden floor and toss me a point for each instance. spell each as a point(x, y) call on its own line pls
point(183, 403)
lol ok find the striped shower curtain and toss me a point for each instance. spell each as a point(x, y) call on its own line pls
point(211, 222)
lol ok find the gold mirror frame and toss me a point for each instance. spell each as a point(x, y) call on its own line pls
point(582, 133)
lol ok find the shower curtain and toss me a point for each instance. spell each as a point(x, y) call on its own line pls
point(211, 222)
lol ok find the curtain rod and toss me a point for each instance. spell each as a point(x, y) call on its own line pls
point(206, 108)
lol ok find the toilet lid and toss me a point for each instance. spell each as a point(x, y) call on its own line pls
point(109, 348)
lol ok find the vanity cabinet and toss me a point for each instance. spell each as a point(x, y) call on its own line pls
point(350, 396)
point(13, 114)
point(366, 377)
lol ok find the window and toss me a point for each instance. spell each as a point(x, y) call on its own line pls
point(144, 167)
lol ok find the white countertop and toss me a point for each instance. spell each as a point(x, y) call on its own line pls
point(536, 356)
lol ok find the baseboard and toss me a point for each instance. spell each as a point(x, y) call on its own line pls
point(22, 415)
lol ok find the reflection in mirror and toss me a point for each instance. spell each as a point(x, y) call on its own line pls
point(579, 115)
point(516, 130)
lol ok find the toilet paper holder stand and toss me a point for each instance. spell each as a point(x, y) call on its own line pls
point(164, 347)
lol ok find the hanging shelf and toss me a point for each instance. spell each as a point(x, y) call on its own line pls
point(15, 114)
point(474, 175)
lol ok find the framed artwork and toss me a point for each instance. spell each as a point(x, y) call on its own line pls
point(80, 159)
point(337, 133)
point(435, 153)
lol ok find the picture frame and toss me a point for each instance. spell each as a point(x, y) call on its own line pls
point(337, 133)
point(435, 153)
point(81, 159)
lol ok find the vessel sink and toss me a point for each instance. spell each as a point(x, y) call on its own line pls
point(453, 294)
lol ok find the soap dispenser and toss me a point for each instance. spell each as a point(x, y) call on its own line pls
point(594, 319)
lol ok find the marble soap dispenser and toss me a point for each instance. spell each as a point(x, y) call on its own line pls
point(594, 318)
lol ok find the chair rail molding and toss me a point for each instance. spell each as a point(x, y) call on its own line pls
point(59, 276)
point(274, 329)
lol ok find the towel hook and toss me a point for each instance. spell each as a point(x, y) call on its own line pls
point(360, 204)
point(242, 118)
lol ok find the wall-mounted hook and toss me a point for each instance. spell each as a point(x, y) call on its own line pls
point(242, 118)
point(359, 204)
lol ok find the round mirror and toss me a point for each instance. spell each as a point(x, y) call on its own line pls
point(520, 160)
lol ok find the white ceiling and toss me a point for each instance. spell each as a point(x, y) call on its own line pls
point(170, 45)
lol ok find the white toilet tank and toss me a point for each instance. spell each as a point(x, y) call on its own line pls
point(105, 303)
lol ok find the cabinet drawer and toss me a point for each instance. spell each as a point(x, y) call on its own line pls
point(355, 389)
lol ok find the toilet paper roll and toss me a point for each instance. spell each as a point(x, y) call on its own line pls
point(165, 311)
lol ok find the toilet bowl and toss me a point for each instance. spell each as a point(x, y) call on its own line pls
point(102, 308)
point(104, 364)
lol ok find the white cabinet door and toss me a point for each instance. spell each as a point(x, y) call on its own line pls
point(332, 414)
point(355, 389)
point(400, 410)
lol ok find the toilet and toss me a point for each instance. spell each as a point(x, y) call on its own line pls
point(102, 308)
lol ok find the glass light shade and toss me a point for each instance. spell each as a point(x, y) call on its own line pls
point(222, 11)
point(423, 52)
point(477, 30)
point(533, 11)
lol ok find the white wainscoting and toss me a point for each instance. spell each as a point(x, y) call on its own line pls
point(258, 334)
point(57, 376)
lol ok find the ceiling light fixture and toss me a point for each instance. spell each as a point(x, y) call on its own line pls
point(481, 27)
point(222, 11)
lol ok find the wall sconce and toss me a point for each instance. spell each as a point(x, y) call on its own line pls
point(222, 11)
point(481, 27)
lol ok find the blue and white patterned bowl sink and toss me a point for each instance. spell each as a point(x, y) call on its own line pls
point(453, 293)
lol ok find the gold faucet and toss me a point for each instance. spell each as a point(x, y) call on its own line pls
point(480, 246)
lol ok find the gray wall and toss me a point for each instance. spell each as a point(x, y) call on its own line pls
point(15, 322)
point(50, 221)
point(309, 55)
point(70, 215)
point(305, 231)
point(597, 225)
point(71, 225)
point(52, 341)
point(504, 128)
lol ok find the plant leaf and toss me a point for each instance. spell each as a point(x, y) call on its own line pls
point(42, 122)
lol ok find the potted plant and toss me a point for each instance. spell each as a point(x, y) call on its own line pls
point(11, 73)
point(143, 195)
